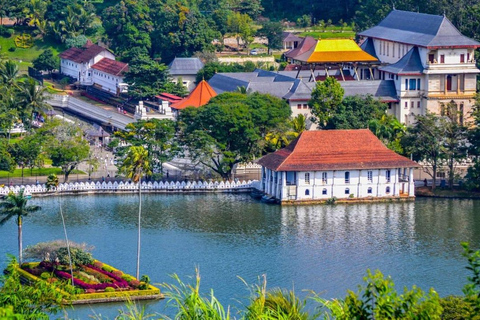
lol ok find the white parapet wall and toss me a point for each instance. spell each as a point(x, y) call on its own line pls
point(106, 187)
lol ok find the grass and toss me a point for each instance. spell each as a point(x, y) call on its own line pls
point(26, 56)
point(35, 172)
point(328, 34)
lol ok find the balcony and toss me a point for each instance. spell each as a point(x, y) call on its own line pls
point(403, 178)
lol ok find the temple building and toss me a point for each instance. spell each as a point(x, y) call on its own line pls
point(339, 164)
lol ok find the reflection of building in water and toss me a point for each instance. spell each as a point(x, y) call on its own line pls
point(385, 223)
point(341, 164)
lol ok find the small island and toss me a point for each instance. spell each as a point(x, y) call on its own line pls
point(85, 280)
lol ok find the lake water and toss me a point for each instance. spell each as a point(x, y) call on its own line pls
point(322, 248)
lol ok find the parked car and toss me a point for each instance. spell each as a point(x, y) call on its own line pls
point(254, 52)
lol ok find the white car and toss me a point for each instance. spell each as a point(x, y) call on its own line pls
point(253, 52)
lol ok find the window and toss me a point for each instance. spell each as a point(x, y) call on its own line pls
point(387, 190)
point(307, 178)
point(369, 190)
point(307, 192)
point(468, 57)
point(324, 178)
point(370, 176)
point(462, 58)
point(324, 191)
point(441, 174)
point(347, 191)
point(406, 105)
point(396, 77)
point(387, 175)
point(305, 106)
point(393, 50)
point(299, 106)
point(291, 178)
point(347, 177)
point(388, 49)
point(406, 84)
point(418, 104)
point(460, 113)
point(431, 58)
point(412, 104)
point(399, 50)
point(413, 84)
point(418, 84)
point(442, 58)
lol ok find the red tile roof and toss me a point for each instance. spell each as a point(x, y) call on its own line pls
point(83, 54)
point(335, 150)
point(110, 66)
point(168, 97)
point(200, 96)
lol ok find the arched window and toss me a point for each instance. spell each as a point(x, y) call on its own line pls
point(347, 177)
point(324, 191)
point(347, 191)
point(307, 192)
point(387, 190)
point(369, 190)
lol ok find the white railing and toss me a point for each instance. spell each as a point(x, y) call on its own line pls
point(101, 187)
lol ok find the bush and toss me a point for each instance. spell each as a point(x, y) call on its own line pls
point(455, 308)
point(79, 257)
point(45, 275)
point(5, 32)
point(12, 49)
point(109, 289)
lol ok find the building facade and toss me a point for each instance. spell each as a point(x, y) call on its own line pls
point(341, 164)
point(431, 62)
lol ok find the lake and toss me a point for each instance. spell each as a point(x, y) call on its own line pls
point(231, 236)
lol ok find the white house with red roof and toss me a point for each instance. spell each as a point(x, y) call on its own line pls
point(107, 74)
point(94, 65)
point(341, 164)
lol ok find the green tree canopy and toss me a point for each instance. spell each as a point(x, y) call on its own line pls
point(273, 32)
point(147, 78)
point(46, 61)
point(327, 96)
point(230, 129)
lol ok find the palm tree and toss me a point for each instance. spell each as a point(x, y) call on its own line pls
point(135, 165)
point(16, 205)
point(32, 99)
point(9, 72)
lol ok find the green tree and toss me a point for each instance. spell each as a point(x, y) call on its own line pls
point(327, 96)
point(31, 99)
point(304, 21)
point(157, 136)
point(147, 78)
point(26, 151)
point(9, 72)
point(355, 112)
point(66, 146)
point(135, 165)
point(241, 27)
point(7, 163)
point(15, 205)
point(273, 32)
point(46, 61)
point(424, 142)
point(230, 129)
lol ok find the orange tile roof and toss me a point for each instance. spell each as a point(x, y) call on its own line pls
point(200, 96)
point(336, 51)
point(335, 150)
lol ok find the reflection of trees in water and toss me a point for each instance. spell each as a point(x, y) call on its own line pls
point(449, 221)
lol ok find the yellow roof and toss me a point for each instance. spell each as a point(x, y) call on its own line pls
point(338, 50)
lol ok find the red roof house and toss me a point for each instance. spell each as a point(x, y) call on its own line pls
point(336, 163)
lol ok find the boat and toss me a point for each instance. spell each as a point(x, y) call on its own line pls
point(257, 194)
point(269, 199)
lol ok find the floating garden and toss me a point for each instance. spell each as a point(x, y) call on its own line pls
point(85, 280)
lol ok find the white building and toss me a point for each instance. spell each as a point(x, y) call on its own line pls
point(429, 60)
point(185, 69)
point(94, 65)
point(342, 164)
point(108, 75)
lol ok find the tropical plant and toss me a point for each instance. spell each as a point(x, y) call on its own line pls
point(52, 181)
point(15, 205)
point(48, 251)
point(190, 304)
point(135, 165)
point(31, 99)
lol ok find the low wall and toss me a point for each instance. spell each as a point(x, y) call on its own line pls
point(130, 187)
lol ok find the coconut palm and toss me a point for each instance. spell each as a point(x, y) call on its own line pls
point(9, 72)
point(32, 99)
point(16, 205)
point(135, 165)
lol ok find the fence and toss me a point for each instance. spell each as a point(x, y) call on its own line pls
point(103, 187)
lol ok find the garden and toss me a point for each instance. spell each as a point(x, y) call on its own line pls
point(79, 277)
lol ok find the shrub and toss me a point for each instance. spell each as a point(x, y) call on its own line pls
point(118, 273)
point(5, 32)
point(79, 257)
point(456, 308)
point(98, 264)
point(45, 275)
point(12, 49)
point(109, 289)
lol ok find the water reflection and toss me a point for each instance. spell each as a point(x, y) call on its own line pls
point(323, 248)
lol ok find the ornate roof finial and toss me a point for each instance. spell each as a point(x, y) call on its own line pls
point(393, 5)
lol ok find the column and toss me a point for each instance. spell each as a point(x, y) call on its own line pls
point(284, 184)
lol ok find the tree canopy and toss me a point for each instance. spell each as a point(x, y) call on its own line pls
point(230, 129)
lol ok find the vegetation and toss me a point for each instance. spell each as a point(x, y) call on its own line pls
point(230, 129)
point(15, 206)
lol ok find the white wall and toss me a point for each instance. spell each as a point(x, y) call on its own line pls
point(107, 81)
